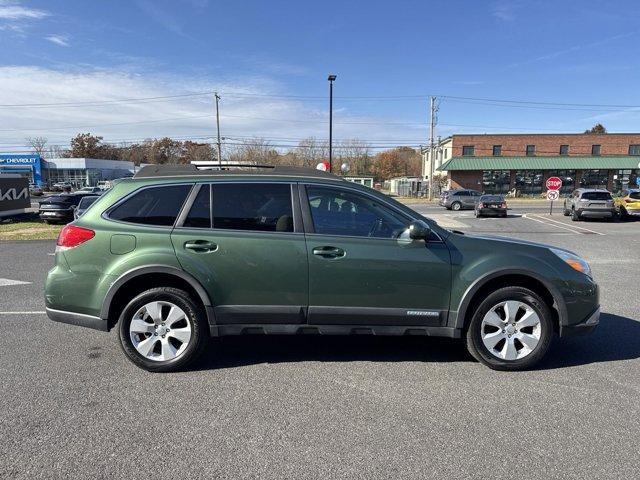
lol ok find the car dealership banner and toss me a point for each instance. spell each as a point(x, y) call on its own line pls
point(14, 194)
point(23, 164)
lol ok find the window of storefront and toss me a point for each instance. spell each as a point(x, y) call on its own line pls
point(595, 149)
point(594, 179)
point(496, 181)
point(497, 150)
point(564, 149)
point(531, 150)
point(529, 182)
point(624, 179)
point(634, 149)
point(568, 178)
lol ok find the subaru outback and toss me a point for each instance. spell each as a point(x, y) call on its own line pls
point(176, 255)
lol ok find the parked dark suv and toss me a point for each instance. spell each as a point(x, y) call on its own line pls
point(176, 255)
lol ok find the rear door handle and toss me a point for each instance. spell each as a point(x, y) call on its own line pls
point(200, 246)
point(329, 252)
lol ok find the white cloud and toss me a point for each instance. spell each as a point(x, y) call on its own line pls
point(61, 40)
point(11, 10)
point(270, 117)
point(504, 10)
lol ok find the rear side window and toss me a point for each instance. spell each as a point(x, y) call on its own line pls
point(152, 206)
point(596, 196)
point(253, 206)
point(200, 214)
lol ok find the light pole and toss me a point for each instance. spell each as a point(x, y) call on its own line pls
point(331, 79)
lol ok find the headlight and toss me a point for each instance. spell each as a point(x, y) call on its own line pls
point(573, 261)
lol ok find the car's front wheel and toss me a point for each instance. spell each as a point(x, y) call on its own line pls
point(511, 329)
point(456, 206)
point(162, 330)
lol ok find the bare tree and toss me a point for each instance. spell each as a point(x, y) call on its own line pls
point(55, 151)
point(255, 151)
point(357, 154)
point(38, 144)
point(311, 151)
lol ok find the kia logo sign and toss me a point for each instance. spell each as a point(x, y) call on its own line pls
point(13, 194)
point(553, 183)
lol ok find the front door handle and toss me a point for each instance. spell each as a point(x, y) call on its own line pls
point(329, 252)
point(200, 246)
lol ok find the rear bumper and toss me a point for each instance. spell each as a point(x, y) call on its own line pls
point(596, 212)
point(78, 319)
point(492, 211)
point(588, 325)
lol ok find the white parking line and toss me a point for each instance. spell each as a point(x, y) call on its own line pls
point(24, 313)
point(563, 224)
point(5, 282)
point(549, 224)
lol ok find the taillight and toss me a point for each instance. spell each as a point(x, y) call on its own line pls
point(72, 236)
point(628, 200)
point(481, 205)
point(503, 205)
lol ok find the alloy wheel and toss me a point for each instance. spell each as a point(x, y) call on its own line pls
point(160, 331)
point(511, 330)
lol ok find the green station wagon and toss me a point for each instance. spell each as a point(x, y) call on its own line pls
point(176, 255)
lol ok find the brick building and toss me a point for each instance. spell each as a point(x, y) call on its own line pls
point(523, 162)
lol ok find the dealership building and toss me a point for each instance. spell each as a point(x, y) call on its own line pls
point(521, 163)
point(79, 172)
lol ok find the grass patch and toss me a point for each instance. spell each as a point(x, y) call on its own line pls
point(28, 229)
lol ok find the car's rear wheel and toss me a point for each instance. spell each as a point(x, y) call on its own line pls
point(575, 216)
point(456, 206)
point(162, 330)
point(510, 330)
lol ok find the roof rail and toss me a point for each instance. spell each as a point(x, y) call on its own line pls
point(212, 168)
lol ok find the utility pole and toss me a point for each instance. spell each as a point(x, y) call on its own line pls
point(218, 123)
point(433, 108)
point(331, 79)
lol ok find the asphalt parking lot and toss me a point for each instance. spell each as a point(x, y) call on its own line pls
point(327, 407)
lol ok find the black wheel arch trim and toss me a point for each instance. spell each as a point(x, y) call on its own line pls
point(458, 319)
point(145, 270)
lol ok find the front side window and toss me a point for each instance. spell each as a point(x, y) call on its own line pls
point(152, 206)
point(253, 206)
point(339, 212)
point(468, 150)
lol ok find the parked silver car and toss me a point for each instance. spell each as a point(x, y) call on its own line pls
point(459, 199)
point(589, 203)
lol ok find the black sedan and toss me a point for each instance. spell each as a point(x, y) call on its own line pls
point(491, 205)
point(59, 208)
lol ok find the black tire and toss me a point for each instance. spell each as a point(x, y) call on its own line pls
point(624, 216)
point(195, 315)
point(478, 214)
point(566, 212)
point(456, 206)
point(574, 215)
point(479, 351)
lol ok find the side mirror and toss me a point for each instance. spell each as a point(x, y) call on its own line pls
point(419, 230)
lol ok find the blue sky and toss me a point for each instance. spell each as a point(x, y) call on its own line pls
point(270, 60)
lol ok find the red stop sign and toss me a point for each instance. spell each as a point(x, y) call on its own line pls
point(554, 183)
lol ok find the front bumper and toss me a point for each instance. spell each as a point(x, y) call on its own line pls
point(78, 319)
point(588, 325)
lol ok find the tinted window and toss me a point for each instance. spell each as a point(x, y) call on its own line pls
point(200, 214)
point(635, 195)
point(86, 202)
point(338, 212)
point(596, 196)
point(152, 206)
point(491, 198)
point(461, 194)
point(253, 206)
